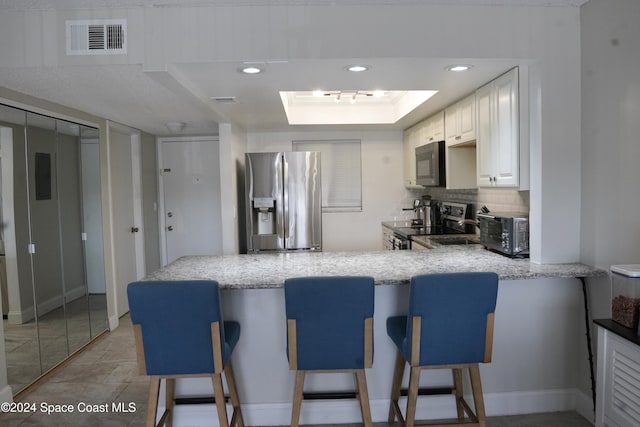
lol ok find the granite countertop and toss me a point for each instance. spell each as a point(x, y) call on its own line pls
point(386, 267)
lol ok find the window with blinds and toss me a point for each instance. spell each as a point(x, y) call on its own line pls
point(341, 173)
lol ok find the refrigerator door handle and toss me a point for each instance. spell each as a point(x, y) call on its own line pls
point(285, 201)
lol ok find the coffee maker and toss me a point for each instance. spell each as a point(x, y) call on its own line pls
point(426, 212)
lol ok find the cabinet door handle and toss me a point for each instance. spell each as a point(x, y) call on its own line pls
point(459, 137)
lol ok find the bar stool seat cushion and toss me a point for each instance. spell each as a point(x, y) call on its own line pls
point(397, 331)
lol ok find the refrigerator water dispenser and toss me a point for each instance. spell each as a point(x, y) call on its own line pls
point(264, 215)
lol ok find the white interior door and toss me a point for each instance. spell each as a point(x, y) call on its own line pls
point(191, 197)
point(127, 228)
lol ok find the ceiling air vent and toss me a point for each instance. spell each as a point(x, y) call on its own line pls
point(96, 37)
point(225, 99)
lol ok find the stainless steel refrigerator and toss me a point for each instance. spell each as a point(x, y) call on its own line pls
point(284, 201)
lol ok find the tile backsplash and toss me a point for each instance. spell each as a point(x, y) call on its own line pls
point(496, 199)
point(503, 200)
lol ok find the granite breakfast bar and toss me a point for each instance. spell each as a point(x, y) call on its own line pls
point(539, 353)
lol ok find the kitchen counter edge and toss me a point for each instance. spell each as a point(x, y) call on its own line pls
point(263, 271)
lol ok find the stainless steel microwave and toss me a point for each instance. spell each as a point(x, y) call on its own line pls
point(430, 164)
point(507, 234)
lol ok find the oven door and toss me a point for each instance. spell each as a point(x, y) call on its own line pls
point(401, 244)
point(430, 164)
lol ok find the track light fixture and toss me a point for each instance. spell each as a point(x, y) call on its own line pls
point(352, 95)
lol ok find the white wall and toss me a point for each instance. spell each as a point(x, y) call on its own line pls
point(149, 175)
point(383, 192)
point(611, 131)
point(232, 142)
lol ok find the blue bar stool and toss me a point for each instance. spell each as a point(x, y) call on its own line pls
point(449, 326)
point(330, 329)
point(179, 332)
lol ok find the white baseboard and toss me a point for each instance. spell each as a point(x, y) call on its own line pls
point(57, 301)
point(19, 317)
point(114, 322)
point(348, 411)
point(584, 406)
point(6, 394)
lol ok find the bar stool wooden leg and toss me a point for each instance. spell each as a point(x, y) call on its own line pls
point(297, 399)
point(152, 405)
point(398, 373)
point(457, 383)
point(363, 395)
point(478, 401)
point(412, 396)
point(170, 386)
point(221, 406)
point(233, 396)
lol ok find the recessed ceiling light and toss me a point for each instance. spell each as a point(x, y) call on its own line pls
point(318, 93)
point(458, 67)
point(378, 93)
point(251, 70)
point(358, 68)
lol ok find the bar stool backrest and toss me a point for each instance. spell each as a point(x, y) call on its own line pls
point(456, 318)
point(175, 319)
point(329, 314)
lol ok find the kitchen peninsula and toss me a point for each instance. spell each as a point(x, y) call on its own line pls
point(539, 353)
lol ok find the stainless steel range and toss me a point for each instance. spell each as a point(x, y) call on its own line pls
point(450, 221)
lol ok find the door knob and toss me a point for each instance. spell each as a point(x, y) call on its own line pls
point(170, 228)
point(134, 229)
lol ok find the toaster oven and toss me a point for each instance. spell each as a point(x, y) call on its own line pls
point(506, 233)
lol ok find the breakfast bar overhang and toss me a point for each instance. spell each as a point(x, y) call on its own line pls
point(539, 356)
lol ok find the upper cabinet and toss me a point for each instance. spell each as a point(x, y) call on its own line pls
point(460, 122)
point(434, 128)
point(422, 133)
point(497, 132)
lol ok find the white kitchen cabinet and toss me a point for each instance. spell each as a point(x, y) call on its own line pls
point(618, 378)
point(497, 132)
point(460, 122)
point(434, 128)
point(387, 238)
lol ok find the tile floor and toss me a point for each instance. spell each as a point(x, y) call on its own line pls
point(107, 372)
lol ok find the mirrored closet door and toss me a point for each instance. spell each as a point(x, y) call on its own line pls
point(52, 231)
